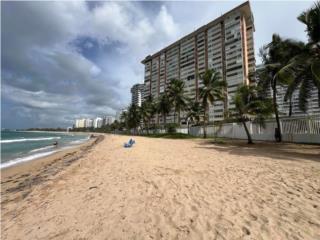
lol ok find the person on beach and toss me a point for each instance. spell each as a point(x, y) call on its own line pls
point(55, 144)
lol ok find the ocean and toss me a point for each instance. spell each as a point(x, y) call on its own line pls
point(22, 146)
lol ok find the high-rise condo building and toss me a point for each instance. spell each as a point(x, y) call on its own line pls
point(97, 122)
point(224, 44)
point(137, 92)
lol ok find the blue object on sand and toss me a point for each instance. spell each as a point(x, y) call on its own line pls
point(129, 144)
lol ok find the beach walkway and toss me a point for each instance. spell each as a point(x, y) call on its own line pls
point(173, 189)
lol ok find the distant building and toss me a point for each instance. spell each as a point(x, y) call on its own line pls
point(80, 123)
point(97, 122)
point(124, 110)
point(108, 120)
point(89, 123)
point(137, 92)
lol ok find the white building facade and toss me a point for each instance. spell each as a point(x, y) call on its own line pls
point(97, 122)
point(137, 93)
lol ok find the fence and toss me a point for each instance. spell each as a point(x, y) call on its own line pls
point(297, 129)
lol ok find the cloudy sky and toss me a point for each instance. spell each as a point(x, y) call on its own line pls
point(65, 60)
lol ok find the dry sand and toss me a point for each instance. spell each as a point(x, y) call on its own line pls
point(169, 189)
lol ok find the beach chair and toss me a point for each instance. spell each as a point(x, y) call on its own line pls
point(129, 143)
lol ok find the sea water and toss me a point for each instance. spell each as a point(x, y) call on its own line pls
point(22, 146)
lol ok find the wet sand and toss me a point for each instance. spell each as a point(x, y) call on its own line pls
point(168, 189)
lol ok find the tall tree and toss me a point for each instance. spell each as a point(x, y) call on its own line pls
point(145, 114)
point(164, 107)
point(176, 92)
point(250, 106)
point(212, 90)
point(195, 112)
point(134, 117)
point(303, 71)
point(275, 56)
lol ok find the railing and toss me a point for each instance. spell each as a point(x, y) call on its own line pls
point(294, 129)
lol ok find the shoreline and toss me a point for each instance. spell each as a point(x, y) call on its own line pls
point(24, 176)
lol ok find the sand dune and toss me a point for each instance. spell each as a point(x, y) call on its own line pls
point(174, 189)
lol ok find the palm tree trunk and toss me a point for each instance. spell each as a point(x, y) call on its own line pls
point(247, 132)
point(179, 117)
point(290, 107)
point(174, 116)
point(164, 121)
point(205, 123)
point(279, 139)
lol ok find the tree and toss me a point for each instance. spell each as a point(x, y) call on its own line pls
point(145, 113)
point(275, 56)
point(134, 117)
point(249, 105)
point(124, 119)
point(303, 70)
point(148, 111)
point(212, 90)
point(194, 113)
point(177, 97)
point(164, 106)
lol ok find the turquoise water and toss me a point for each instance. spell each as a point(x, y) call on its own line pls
point(21, 146)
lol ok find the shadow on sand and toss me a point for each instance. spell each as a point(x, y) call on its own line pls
point(287, 151)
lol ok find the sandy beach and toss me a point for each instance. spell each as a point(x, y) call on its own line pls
point(166, 189)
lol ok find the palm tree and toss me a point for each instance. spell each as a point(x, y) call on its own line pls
point(148, 111)
point(194, 113)
point(303, 70)
point(124, 119)
point(212, 90)
point(164, 106)
point(275, 56)
point(177, 97)
point(134, 117)
point(249, 105)
point(145, 113)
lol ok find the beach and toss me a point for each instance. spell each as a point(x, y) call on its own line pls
point(165, 189)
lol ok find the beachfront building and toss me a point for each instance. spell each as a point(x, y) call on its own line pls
point(89, 123)
point(137, 92)
point(224, 44)
point(80, 123)
point(107, 120)
point(97, 122)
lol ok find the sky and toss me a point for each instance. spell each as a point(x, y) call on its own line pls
point(65, 60)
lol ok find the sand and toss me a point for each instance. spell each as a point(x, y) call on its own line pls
point(171, 189)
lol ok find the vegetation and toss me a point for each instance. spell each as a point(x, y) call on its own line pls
point(164, 107)
point(251, 107)
point(293, 64)
point(212, 90)
point(177, 97)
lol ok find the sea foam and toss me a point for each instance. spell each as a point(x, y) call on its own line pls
point(25, 159)
point(28, 139)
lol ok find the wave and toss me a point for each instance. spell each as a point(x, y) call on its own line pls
point(25, 159)
point(28, 139)
point(79, 141)
point(41, 149)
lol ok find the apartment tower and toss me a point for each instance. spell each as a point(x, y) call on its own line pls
point(225, 45)
point(137, 92)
